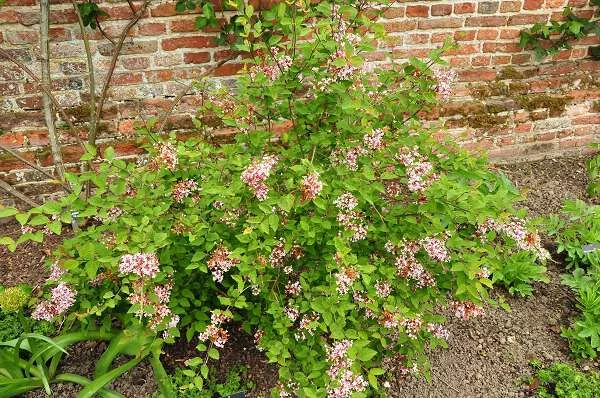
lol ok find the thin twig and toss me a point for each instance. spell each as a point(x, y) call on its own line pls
point(31, 164)
point(116, 52)
point(17, 194)
point(184, 91)
point(46, 90)
point(103, 33)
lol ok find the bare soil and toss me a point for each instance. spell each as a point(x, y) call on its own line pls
point(487, 356)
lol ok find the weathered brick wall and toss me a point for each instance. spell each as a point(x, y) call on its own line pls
point(506, 103)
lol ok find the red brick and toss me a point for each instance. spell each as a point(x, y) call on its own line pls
point(555, 3)
point(501, 59)
point(441, 9)
point(417, 11)
point(152, 29)
point(509, 33)
point(527, 19)
point(441, 37)
point(59, 34)
point(493, 47)
point(126, 78)
point(136, 63)
point(486, 21)
point(480, 74)
point(8, 16)
point(588, 119)
point(400, 26)
point(9, 89)
point(437, 23)
point(533, 4)
point(487, 34)
point(465, 35)
point(510, 6)
point(395, 12)
point(183, 25)
point(520, 59)
point(228, 69)
point(187, 42)
point(196, 58)
point(464, 8)
point(481, 60)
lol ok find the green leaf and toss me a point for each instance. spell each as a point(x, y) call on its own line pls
point(7, 211)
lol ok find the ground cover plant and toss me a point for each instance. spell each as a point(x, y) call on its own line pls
point(334, 227)
point(577, 232)
point(561, 380)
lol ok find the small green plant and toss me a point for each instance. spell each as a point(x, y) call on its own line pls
point(517, 273)
point(548, 39)
point(184, 382)
point(563, 381)
point(577, 232)
point(593, 172)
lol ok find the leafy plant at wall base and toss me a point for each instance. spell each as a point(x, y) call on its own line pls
point(593, 172)
point(561, 380)
point(184, 382)
point(548, 39)
point(334, 227)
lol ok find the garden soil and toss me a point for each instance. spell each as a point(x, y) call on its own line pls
point(487, 357)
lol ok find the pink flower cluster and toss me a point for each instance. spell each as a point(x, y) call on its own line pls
point(214, 332)
point(383, 289)
point(255, 175)
point(412, 326)
point(419, 171)
point(445, 79)
point(183, 189)
point(291, 312)
point(348, 156)
point(293, 288)
point(56, 272)
point(466, 309)
point(517, 231)
point(339, 371)
point(307, 325)
point(410, 268)
point(374, 139)
point(166, 156)
point(436, 249)
point(220, 262)
point(345, 278)
point(350, 219)
point(311, 186)
point(141, 264)
point(438, 331)
point(282, 64)
point(62, 298)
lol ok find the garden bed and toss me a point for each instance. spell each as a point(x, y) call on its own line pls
point(487, 356)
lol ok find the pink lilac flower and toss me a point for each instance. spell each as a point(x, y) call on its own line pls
point(255, 175)
point(410, 268)
point(383, 289)
point(163, 292)
point(166, 156)
point(293, 288)
point(281, 65)
point(113, 213)
point(348, 156)
point(56, 272)
point(220, 262)
point(339, 371)
point(27, 229)
point(217, 318)
point(390, 247)
point(517, 231)
point(466, 309)
point(353, 221)
point(141, 264)
point(183, 189)
point(389, 319)
point(374, 139)
point(436, 249)
point(258, 335)
point(278, 254)
point(418, 170)
point(292, 313)
point(345, 278)
point(445, 79)
point(311, 186)
point(218, 336)
point(484, 273)
point(438, 331)
point(62, 298)
point(346, 202)
point(348, 384)
point(412, 326)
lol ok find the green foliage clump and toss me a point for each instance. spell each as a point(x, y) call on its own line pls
point(12, 299)
point(563, 381)
point(593, 172)
point(575, 229)
point(184, 382)
point(548, 39)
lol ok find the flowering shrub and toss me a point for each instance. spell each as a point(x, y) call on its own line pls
point(337, 245)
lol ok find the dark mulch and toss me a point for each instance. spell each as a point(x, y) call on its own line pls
point(487, 357)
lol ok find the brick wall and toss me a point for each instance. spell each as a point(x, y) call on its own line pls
point(506, 102)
